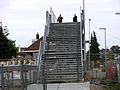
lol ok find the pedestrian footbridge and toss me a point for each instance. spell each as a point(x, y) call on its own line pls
point(62, 53)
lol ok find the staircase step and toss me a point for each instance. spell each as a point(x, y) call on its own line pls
point(63, 52)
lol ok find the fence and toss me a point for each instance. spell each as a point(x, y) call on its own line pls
point(17, 77)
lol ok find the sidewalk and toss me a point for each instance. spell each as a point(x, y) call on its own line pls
point(62, 86)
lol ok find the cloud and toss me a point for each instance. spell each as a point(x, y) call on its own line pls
point(26, 17)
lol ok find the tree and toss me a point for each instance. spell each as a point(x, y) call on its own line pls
point(7, 46)
point(94, 48)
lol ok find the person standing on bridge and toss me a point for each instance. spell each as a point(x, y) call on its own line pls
point(60, 19)
point(75, 18)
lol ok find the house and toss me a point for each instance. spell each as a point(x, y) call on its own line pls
point(33, 50)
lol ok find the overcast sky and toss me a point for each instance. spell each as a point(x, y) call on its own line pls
point(24, 18)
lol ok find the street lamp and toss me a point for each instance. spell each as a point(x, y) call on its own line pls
point(105, 47)
point(117, 13)
point(89, 42)
point(118, 64)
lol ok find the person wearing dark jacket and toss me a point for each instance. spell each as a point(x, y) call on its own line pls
point(60, 19)
point(75, 18)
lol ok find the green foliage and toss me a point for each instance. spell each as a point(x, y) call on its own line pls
point(94, 48)
point(7, 47)
point(115, 75)
point(111, 85)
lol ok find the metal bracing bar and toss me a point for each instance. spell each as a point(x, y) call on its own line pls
point(81, 32)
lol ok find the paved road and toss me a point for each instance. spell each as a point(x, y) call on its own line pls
point(62, 86)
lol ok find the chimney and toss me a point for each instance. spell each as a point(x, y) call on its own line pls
point(37, 36)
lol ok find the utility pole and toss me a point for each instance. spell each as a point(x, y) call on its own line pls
point(83, 54)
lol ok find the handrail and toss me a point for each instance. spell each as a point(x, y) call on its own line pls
point(50, 18)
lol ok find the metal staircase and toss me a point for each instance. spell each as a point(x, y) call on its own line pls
point(61, 57)
point(63, 52)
